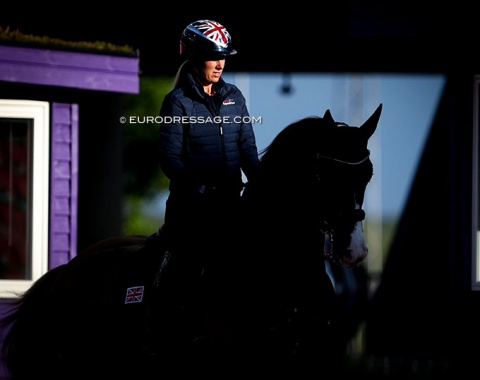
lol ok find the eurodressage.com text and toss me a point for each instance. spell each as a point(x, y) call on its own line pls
point(192, 119)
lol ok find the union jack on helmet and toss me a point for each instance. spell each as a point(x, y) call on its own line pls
point(205, 37)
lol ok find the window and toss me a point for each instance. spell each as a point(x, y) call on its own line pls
point(24, 189)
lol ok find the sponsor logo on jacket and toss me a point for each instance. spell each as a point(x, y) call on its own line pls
point(228, 102)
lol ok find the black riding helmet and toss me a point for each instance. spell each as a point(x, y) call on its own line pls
point(205, 38)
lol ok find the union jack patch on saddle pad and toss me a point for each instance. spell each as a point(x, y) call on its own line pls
point(134, 294)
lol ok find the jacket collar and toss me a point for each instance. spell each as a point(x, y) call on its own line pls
point(193, 86)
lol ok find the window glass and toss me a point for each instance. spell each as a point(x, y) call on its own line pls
point(15, 199)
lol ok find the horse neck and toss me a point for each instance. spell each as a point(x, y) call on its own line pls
point(272, 219)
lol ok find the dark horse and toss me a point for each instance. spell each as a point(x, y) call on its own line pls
point(270, 308)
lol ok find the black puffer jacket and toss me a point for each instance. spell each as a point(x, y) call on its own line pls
point(206, 140)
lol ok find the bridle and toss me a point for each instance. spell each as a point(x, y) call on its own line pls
point(356, 215)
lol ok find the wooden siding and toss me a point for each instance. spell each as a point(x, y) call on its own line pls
point(63, 183)
point(100, 72)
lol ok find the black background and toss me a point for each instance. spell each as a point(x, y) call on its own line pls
point(353, 36)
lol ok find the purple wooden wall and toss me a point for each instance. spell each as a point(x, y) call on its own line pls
point(99, 72)
point(63, 183)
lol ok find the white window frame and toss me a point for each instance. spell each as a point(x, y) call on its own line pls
point(39, 112)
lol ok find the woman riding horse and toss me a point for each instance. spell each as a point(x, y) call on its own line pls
point(105, 314)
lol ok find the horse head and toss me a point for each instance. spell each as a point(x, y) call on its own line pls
point(323, 168)
point(345, 169)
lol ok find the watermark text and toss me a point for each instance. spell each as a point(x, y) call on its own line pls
point(191, 119)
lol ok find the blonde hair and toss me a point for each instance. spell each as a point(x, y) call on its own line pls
point(181, 72)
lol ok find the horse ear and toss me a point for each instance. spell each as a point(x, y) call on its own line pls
point(371, 124)
point(328, 117)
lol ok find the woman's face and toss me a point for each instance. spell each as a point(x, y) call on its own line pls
point(210, 71)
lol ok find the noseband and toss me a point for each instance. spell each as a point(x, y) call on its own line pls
point(356, 215)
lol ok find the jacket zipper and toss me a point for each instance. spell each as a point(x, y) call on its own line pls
point(220, 128)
